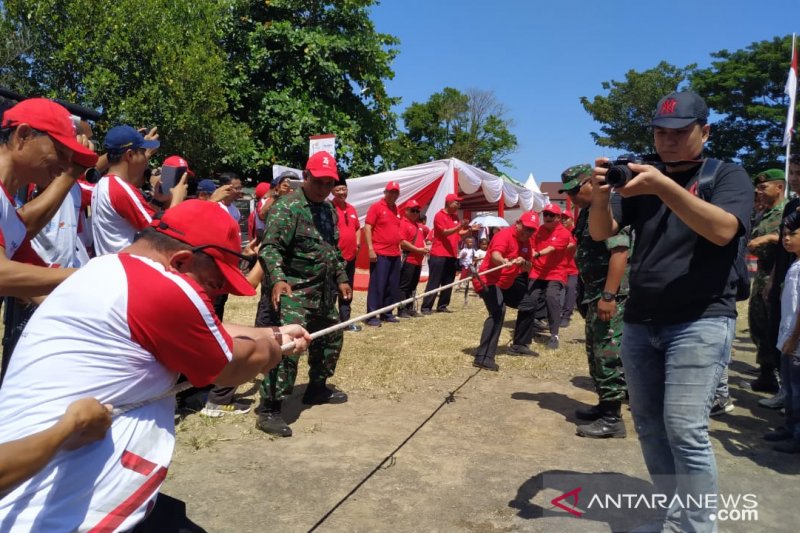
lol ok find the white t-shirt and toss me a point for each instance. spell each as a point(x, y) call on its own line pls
point(790, 299)
point(58, 244)
point(12, 228)
point(119, 330)
point(465, 257)
point(118, 211)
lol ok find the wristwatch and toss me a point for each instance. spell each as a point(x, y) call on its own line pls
point(608, 296)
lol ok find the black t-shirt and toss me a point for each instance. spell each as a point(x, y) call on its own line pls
point(676, 275)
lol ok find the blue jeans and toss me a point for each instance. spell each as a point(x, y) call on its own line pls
point(672, 372)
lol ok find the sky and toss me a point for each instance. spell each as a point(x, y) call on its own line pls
point(540, 57)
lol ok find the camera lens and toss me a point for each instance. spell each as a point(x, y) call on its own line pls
point(618, 175)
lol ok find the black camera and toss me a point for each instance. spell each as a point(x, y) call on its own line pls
point(619, 173)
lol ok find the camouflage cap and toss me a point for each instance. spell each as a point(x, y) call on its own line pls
point(571, 177)
point(773, 174)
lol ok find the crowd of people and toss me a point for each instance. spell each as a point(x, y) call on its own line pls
point(113, 294)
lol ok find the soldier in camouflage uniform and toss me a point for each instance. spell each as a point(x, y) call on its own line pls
point(770, 192)
point(305, 272)
point(603, 268)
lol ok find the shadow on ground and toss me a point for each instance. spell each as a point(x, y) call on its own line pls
point(575, 490)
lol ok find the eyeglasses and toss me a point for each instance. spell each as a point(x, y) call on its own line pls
point(251, 260)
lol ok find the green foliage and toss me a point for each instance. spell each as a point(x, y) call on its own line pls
point(471, 127)
point(307, 67)
point(241, 83)
point(143, 62)
point(625, 112)
point(746, 88)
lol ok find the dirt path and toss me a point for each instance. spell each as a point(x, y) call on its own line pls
point(488, 461)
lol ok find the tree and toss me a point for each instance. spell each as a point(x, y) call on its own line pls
point(625, 112)
point(136, 62)
point(470, 126)
point(304, 67)
point(746, 88)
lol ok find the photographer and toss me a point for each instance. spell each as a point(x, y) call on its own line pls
point(680, 317)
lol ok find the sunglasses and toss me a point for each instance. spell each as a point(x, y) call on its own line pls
point(413, 210)
point(549, 215)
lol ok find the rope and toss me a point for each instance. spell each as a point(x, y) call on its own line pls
point(450, 398)
point(180, 387)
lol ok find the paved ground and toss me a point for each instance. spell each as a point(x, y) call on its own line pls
point(490, 460)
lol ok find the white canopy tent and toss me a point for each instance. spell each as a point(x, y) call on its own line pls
point(429, 183)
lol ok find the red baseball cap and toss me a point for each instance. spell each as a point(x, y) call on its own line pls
point(452, 198)
point(53, 119)
point(392, 186)
point(412, 204)
point(262, 189)
point(566, 214)
point(177, 161)
point(322, 165)
point(199, 223)
point(552, 208)
point(529, 220)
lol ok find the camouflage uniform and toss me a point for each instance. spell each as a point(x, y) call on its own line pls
point(602, 338)
point(300, 247)
point(758, 308)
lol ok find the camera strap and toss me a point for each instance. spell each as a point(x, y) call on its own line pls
point(706, 178)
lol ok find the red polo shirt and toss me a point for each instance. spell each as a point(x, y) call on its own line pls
point(348, 224)
point(553, 266)
point(445, 245)
point(385, 222)
point(505, 242)
point(413, 233)
point(572, 268)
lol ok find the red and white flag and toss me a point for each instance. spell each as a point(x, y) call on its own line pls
point(791, 92)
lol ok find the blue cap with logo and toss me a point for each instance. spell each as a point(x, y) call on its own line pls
point(122, 138)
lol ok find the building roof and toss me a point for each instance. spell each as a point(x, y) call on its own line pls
point(550, 188)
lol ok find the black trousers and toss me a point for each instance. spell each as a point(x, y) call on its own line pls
point(409, 278)
point(441, 271)
point(221, 395)
point(570, 297)
point(552, 293)
point(344, 305)
point(496, 300)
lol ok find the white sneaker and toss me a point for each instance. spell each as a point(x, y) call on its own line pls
point(212, 410)
point(776, 402)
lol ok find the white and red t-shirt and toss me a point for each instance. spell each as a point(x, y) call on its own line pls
point(119, 330)
point(385, 222)
point(58, 244)
point(412, 232)
point(553, 266)
point(84, 225)
point(445, 245)
point(348, 225)
point(12, 228)
point(118, 211)
point(505, 242)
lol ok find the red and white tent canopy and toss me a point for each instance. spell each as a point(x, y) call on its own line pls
point(429, 183)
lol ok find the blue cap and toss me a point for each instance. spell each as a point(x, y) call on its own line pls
point(122, 138)
point(206, 186)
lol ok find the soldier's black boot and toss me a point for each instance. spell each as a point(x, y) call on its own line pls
point(270, 420)
point(318, 393)
point(590, 413)
point(609, 424)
